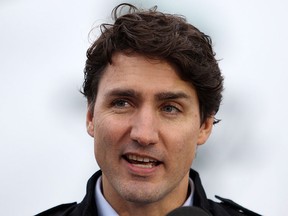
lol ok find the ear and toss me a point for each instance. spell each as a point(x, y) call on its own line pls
point(205, 130)
point(90, 122)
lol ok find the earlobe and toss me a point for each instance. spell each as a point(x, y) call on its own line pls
point(90, 123)
point(205, 130)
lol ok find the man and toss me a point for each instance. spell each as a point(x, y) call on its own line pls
point(153, 88)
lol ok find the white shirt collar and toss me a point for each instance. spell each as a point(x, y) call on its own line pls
point(104, 208)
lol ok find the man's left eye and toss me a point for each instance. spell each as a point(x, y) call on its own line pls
point(170, 109)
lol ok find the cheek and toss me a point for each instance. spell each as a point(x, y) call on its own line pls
point(185, 144)
point(108, 134)
point(102, 140)
point(185, 151)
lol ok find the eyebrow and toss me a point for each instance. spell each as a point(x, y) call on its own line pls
point(122, 93)
point(169, 95)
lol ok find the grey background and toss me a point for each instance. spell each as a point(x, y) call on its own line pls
point(46, 155)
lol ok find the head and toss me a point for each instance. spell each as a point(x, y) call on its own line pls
point(158, 36)
point(153, 87)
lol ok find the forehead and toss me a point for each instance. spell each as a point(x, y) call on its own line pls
point(140, 73)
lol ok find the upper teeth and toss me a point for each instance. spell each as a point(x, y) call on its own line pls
point(141, 159)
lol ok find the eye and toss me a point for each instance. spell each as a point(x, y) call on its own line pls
point(120, 103)
point(170, 109)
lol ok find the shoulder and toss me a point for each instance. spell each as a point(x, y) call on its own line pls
point(230, 208)
point(225, 207)
point(60, 210)
point(85, 207)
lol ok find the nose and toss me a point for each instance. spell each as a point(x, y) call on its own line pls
point(144, 127)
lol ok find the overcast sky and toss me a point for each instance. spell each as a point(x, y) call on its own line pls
point(46, 155)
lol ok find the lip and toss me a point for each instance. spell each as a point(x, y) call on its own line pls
point(141, 171)
point(142, 156)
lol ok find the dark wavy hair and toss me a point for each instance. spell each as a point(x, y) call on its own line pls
point(160, 36)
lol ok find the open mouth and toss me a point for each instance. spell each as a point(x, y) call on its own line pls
point(139, 161)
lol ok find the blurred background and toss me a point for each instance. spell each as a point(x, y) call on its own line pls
point(46, 155)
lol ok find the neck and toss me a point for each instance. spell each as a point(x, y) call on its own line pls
point(170, 201)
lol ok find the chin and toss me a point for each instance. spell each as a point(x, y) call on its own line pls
point(141, 195)
point(145, 198)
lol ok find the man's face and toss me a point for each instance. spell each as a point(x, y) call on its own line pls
point(146, 126)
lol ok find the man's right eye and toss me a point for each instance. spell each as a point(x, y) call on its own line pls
point(120, 103)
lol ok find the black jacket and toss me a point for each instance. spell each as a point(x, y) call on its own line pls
point(88, 205)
